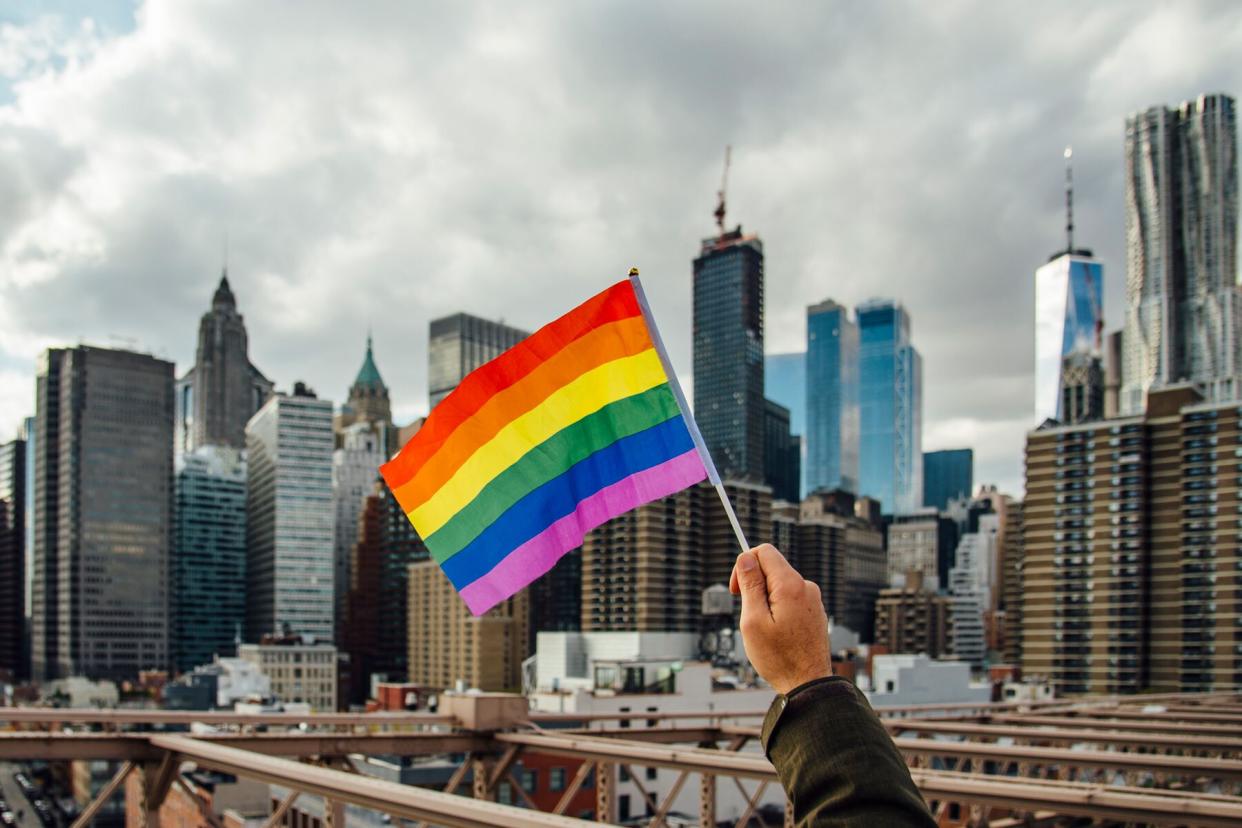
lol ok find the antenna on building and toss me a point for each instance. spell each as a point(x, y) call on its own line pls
point(720, 194)
point(225, 253)
point(1069, 199)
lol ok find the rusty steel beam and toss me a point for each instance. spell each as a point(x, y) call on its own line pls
point(1067, 736)
point(1064, 736)
point(659, 735)
point(105, 793)
point(1198, 716)
point(46, 715)
point(404, 801)
point(1180, 765)
point(1137, 805)
point(134, 746)
point(619, 750)
point(1112, 724)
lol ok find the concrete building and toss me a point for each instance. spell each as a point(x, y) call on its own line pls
point(948, 475)
point(1181, 253)
point(1130, 564)
point(14, 660)
point(103, 513)
point(728, 352)
point(299, 672)
point(914, 542)
point(654, 672)
point(898, 680)
point(290, 530)
point(833, 429)
point(208, 555)
point(890, 405)
point(460, 343)
point(217, 397)
point(448, 644)
point(913, 619)
point(1011, 584)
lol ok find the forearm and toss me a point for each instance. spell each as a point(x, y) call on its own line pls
point(837, 763)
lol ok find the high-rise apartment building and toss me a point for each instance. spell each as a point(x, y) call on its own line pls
point(208, 555)
point(448, 644)
point(728, 352)
point(947, 475)
point(459, 344)
point(1011, 583)
point(13, 656)
point(1069, 302)
point(103, 513)
point(219, 394)
point(970, 588)
point(913, 618)
point(1181, 250)
point(290, 526)
point(890, 404)
point(833, 545)
point(376, 628)
point(833, 428)
point(1130, 568)
point(645, 570)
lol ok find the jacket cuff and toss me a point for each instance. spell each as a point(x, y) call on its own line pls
point(786, 707)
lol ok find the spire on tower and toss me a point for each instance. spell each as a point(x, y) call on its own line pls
point(1069, 199)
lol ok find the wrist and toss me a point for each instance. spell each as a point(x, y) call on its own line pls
point(788, 686)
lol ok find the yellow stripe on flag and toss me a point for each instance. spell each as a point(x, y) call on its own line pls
point(588, 393)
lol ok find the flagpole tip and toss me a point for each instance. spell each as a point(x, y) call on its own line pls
point(633, 271)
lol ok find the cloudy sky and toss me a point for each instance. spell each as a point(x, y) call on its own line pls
point(380, 164)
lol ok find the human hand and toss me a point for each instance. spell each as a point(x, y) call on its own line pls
point(783, 624)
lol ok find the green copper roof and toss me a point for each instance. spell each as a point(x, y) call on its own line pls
point(368, 374)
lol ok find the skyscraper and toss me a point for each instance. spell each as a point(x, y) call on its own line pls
point(947, 475)
point(289, 530)
point(1068, 317)
point(459, 344)
point(1181, 250)
point(890, 406)
point(219, 394)
point(728, 352)
point(832, 435)
point(784, 382)
point(103, 513)
point(782, 453)
point(13, 660)
point(208, 555)
point(355, 469)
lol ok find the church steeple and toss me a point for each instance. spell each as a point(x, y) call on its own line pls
point(224, 294)
point(368, 396)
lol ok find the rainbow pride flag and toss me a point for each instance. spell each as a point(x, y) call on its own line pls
point(571, 427)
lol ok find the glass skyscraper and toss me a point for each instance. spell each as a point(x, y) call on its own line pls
point(832, 437)
point(209, 555)
point(460, 343)
point(290, 523)
point(1069, 302)
point(947, 475)
point(1181, 250)
point(784, 382)
point(890, 405)
point(728, 352)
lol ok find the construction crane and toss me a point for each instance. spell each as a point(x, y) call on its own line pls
point(720, 194)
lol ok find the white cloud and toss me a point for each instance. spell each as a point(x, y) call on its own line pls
point(378, 164)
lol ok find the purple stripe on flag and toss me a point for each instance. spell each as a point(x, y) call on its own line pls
point(539, 554)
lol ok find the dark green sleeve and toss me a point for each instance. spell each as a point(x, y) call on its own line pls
point(838, 764)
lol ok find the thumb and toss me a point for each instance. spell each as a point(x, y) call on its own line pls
point(751, 582)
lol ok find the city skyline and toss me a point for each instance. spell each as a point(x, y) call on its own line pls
point(406, 206)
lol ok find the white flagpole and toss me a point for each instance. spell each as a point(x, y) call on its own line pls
point(712, 475)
